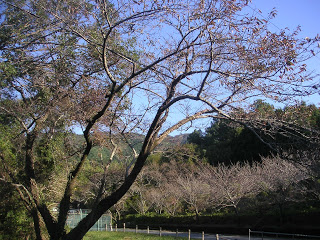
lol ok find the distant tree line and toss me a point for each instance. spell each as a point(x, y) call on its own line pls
point(228, 167)
point(180, 188)
point(227, 142)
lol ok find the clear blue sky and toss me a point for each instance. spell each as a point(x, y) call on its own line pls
point(292, 13)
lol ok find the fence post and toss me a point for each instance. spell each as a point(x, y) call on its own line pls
point(202, 235)
point(177, 231)
point(116, 227)
point(148, 230)
point(189, 234)
point(136, 228)
point(249, 234)
point(124, 227)
point(217, 236)
point(160, 231)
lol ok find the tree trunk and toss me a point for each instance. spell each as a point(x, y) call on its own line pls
point(39, 225)
point(281, 211)
point(36, 224)
point(85, 224)
point(197, 215)
point(237, 214)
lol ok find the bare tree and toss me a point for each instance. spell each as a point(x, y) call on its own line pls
point(230, 184)
point(171, 198)
point(140, 192)
point(195, 192)
point(310, 160)
point(86, 62)
point(157, 192)
point(281, 178)
point(119, 208)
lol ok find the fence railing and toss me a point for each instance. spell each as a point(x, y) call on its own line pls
point(263, 235)
point(76, 215)
point(105, 224)
point(160, 232)
point(253, 235)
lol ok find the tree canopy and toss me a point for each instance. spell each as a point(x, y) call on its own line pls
point(228, 142)
point(116, 67)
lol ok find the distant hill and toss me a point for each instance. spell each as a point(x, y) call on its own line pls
point(124, 151)
point(172, 141)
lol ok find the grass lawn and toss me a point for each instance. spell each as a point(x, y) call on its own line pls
point(124, 236)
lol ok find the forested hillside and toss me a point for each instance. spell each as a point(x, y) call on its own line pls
point(224, 175)
point(135, 140)
point(227, 176)
point(130, 74)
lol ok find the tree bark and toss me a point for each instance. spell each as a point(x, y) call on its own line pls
point(36, 224)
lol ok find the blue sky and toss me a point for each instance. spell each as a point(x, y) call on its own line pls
point(292, 13)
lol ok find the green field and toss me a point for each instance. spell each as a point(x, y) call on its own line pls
point(126, 236)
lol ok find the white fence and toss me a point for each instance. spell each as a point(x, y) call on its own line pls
point(76, 215)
